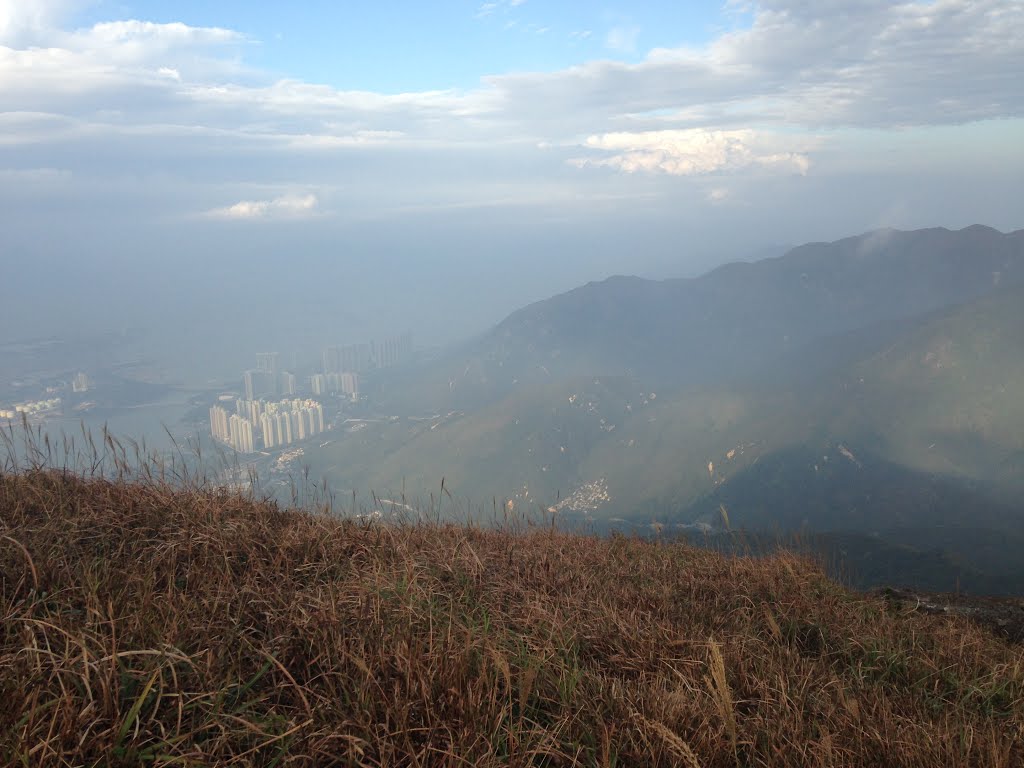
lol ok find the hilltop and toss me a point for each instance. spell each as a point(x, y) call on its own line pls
point(151, 624)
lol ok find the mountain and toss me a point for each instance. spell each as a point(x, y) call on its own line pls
point(852, 388)
point(727, 323)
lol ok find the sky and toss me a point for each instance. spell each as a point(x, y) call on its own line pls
point(336, 169)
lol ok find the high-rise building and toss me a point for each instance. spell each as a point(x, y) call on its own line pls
point(219, 424)
point(357, 357)
point(288, 383)
point(80, 383)
point(257, 384)
point(274, 424)
point(350, 384)
point(318, 383)
point(283, 428)
point(332, 359)
point(250, 410)
point(346, 383)
point(241, 434)
point(387, 353)
point(267, 362)
point(392, 351)
point(267, 428)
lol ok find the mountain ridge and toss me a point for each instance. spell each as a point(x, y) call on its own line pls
point(735, 316)
point(548, 409)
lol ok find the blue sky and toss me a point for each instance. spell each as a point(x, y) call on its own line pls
point(353, 156)
point(403, 46)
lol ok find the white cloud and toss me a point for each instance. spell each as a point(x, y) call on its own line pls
point(24, 21)
point(180, 102)
point(503, 8)
point(718, 195)
point(688, 152)
point(285, 207)
point(338, 141)
point(144, 36)
point(622, 39)
point(799, 65)
point(486, 9)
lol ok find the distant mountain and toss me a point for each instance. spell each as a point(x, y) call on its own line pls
point(727, 323)
point(851, 389)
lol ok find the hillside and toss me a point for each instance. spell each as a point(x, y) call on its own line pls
point(145, 624)
point(750, 387)
point(548, 401)
point(729, 322)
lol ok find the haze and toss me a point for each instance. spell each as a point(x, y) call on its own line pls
point(240, 176)
point(512, 382)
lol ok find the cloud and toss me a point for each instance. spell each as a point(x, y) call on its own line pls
point(494, 6)
point(338, 141)
point(285, 207)
point(169, 143)
point(807, 65)
point(24, 22)
point(144, 36)
point(689, 152)
point(769, 100)
point(799, 65)
point(622, 39)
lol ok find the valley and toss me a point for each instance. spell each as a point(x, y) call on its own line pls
point(822, 404)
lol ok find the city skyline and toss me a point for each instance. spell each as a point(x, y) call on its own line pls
point(266, 424)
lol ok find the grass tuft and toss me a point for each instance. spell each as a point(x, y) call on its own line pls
point(146, 621)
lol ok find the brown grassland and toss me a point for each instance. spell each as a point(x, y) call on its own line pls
point(147, 623)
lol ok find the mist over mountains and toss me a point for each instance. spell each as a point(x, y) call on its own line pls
point(868, 387)
point(739, 316)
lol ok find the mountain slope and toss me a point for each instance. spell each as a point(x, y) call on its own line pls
point(936, 396)
point(688, 332)
point(894, 400)
point(190, 627)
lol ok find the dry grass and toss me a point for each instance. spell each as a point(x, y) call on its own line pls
point(146, 623)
